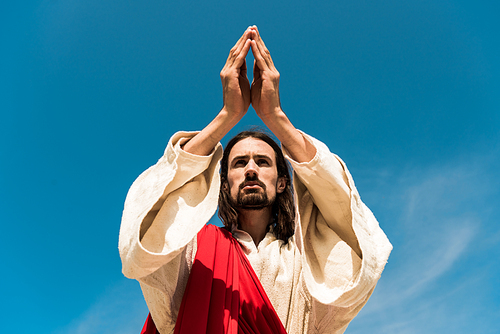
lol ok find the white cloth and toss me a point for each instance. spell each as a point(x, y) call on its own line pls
point(316, 283)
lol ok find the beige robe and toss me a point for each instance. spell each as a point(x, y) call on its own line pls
point(316, 283)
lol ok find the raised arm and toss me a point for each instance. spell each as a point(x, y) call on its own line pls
point(171, 201)
point(236, 98)
point(266, 102)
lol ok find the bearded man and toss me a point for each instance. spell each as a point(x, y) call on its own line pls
point(276, 266)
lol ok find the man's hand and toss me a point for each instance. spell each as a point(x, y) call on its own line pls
point(235, 84)
point(265, 85)
point(236, 97)
point(266, 102)
point(264, 96)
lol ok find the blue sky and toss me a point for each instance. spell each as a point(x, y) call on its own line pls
point(407, 93)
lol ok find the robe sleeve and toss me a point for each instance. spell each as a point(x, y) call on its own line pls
point(166, 207)
point(330, 212)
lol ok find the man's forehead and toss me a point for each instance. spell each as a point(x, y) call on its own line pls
point(251, 147)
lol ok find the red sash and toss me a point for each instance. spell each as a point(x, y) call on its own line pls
point(223, 294)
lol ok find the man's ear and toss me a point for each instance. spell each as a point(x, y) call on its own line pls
point(225, 186)
point(281, 185)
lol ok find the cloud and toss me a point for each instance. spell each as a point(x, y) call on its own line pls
point(440, 220)
point(121, 310)
point(437, 261)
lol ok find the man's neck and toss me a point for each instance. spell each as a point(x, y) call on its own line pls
point(255, 222)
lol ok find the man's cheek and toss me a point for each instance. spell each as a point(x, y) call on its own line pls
point(233, 191)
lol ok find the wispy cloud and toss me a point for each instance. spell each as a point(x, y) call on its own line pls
point(121, 310)
point(432, 264)
point(433, 216)
point(436, 218)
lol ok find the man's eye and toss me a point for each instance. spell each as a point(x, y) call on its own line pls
point(240, 163)
point(263, 162)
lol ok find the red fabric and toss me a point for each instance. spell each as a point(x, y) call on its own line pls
point(223, 294)
point(149, 326)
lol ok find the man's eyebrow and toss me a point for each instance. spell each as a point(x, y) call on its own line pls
point(263, 156)
point(240, 157)
point(257, 156)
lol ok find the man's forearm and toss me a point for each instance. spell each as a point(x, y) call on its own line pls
point(300, 149)
point(235, 95)
point(266, 102)
point(204, 142)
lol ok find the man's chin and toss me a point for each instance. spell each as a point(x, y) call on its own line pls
point(252, 207)
point(252, 201)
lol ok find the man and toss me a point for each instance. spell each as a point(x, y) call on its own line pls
point(313, 264)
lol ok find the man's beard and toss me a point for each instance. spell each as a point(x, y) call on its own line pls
point(252, 199)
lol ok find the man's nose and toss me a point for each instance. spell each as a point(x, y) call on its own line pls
point(252, 169)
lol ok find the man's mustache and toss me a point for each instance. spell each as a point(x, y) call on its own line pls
point(252, 181)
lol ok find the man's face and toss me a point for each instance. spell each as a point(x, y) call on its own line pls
point(252, 174)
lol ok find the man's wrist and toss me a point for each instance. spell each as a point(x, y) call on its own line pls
point(229, 116)
point(277, 116)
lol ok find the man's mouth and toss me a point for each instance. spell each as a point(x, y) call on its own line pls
point(252, 185)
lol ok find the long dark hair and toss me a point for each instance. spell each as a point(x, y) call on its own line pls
point(283, 211)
